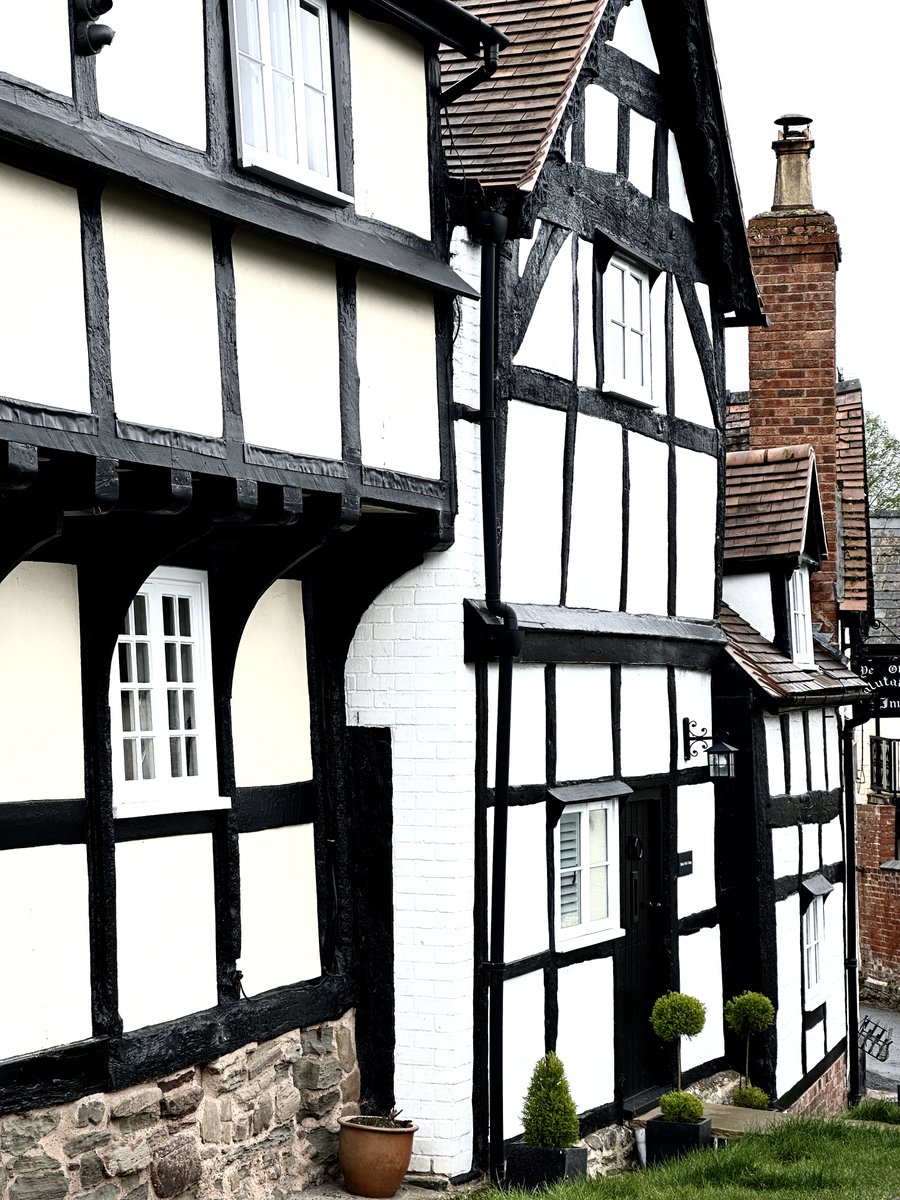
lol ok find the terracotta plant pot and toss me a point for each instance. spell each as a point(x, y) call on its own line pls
point(374, 1156)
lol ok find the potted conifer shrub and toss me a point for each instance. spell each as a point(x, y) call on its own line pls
point(374, 1153)
point(682, 1126)
point(749, 1013)
point(545, 1153)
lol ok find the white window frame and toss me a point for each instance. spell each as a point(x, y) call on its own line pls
point(587, 931)
point(165, 793)
point(800, 618)
point(634, 381)
point(813, 950)
point(266, 160)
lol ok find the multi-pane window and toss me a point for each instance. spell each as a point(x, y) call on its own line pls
point(587, 869)
point(801, 628)
point(283, 70)
point(626, 330)
point(161, 698)
point(813, 933)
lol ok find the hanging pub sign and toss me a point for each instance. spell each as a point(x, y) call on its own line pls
point(882, 673)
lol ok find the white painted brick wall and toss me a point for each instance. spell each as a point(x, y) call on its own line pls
point(405, 672)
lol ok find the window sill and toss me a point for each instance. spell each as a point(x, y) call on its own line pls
point(167, 803)
point(277, 171)
point(594, 937)
point(627, 398)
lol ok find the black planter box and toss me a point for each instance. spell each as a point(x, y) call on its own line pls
point(671, 1139)
point(533, 1166)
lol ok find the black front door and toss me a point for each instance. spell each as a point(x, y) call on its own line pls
point(642, 969)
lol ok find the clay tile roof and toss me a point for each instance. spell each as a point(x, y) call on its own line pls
point(782, 680)
point(500, 132)
point(768, 495)
point(854, 566)
point(885, 528)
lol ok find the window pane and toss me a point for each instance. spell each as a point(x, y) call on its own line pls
point(142, 658)
point(128, 711)
point(184, 616)
point(126, 623)
point(175, 757)
point(168, 608)
point(614, 351)
point(174, 714)
point(139, 611)
point(130, 748)
point(634, 370)
point(126, 674)
point(248, 26)
point(190, 745)
point(569, 841)
point(253, 111)
point(171, 663)
point(598, 840)
point(148, 766)
point(311, 41)
point(285, 117)
point(634, 311)
point(187, 664)
point(615, 293)
point(599, 893)
point(144, 710)
point(316, 132)
point(280, 36)
point(188, 702)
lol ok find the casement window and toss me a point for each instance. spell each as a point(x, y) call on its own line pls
point(801, 627)
point(161, 700)
point(282, 71)
point(587, 871)
point(626, 330)
point(813, 937)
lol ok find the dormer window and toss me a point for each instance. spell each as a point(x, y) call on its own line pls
point(626, 330)
point(801, 626)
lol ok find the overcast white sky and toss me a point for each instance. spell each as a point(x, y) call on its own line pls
point(838, 65)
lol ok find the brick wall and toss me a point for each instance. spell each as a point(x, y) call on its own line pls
point(879, 893)
point(828, 1095)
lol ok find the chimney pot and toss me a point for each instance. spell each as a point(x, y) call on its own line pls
point(793, 182)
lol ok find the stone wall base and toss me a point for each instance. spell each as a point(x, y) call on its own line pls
point(828, 1095)
point(257, 1124)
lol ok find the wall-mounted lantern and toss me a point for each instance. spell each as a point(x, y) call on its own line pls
point(721, 756)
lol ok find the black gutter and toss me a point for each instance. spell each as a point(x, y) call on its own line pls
point(445, 21)
point(861, 714)
point(490, 229)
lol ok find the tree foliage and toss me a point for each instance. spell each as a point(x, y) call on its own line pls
point(674, 1016)
point(749, 1013)
point(549, 1117)
point(882, 464)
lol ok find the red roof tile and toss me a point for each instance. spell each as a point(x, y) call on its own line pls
point(768, 497)
point(855, 589)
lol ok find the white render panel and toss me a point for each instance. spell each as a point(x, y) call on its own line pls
point(750, 596)
point(43, 338)
point(809, 843)
point(697, 477)
point(693, 699)
point(41, 743)
point(35, 44)
point(587, 355)
point(797, 743)
point(548, 341)
point(531, 563)
point(128, 80)
point(523, 1043)
point(595, 539)
point(589, 1061)
point(390, 126)
point(601, 129)
point(697, 833)
point(645, 720)
point(691, 396)
point(648, 533)
point(632, 35)
point(46, 948)
point(527, 928)
point(287, 347)
point(658, 366)
point(737, 361)
point(270, 693)
point(832, 842)
point(700, 969)
point(817, 750)
point(678, 197)
point(640, 152)
point(395, 353)
point(167, 965)
point(833, 748)
point(163, 323)
point(703, 299)
point(788, 1019)
point(528, 730)
point(583, 723)
point(279, 913)
point(785, 851)
point(775, 755)
point(815, 1045)
point(833, 967)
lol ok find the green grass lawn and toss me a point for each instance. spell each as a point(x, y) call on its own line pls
point(795, 1160)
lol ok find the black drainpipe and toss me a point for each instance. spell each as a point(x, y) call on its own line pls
point(861, 714)
point(490, 229)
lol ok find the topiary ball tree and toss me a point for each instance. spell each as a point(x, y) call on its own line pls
point(749, 1013)
point(549, 1117)
point(674, 1016)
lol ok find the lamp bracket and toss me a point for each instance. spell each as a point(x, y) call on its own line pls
point(690, 738)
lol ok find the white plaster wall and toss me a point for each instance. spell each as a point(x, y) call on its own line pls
point(750, 596)
point(809, 840)
point(785, 851)
point(601, 129)
point(527, 929)
point(595, 543)
point(678, 198)
point(640, 152)
point(815, 1045)
point(42, 297)
point(658, 365)
point(797, 743)
point(645, 720)
point(270, 693)
point(395, 354)
point(632, 35)
point(833, 967)
point(700, 970)
point(528, 727)
point(832, 748)
point(648, 538)
point(279, 913)
point(589, 1060)
point(531, 563)
point(775, 755)
point(46, 948)
point(691, 396)
point(832, 842)
point(697, 479)
point(788, 1019)
point(129, 87)
point(164, 337)
point(41, 744)
point(523, 1043)
point(167, 964)
point(35, 43)
point(693, 699)
point(287, 346)
point(549, 339)
point(587, 354)
point(583, 723)
point(390, 126)
point(697, 833)
point(817, 750)
point(737, 361)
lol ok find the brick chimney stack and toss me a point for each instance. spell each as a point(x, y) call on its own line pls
point(793, 374)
